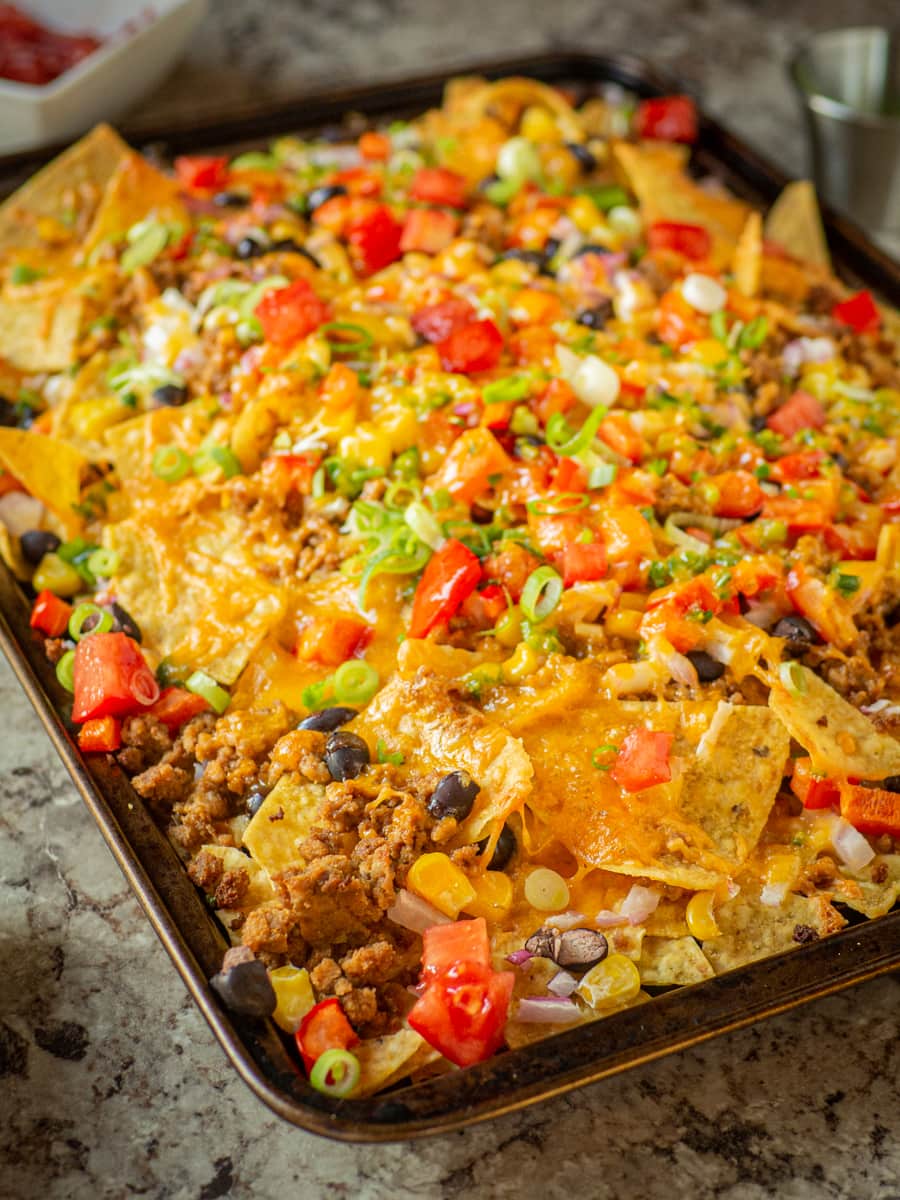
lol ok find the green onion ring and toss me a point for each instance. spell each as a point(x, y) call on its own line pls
point(103, 563)
point(792, 676)
point(541, 594)
point(563, 502)
point(563, 441)
point(65, 670)
point(335, 1073)
point(359, 341)
point(355, 682)
point(204, 685)
point(170, 464)
point(82, 614)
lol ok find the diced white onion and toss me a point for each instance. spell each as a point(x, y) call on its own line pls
point(711, 736)
point(412, 912)
point(703, 293)
point(518, 160)
point(763, 613)
point(424, 525)
point(877, 707)
point(547, 1010)
point(806, 350)
point(562, 984)
point(850, 846)
point(773, 894)
point(20, 512)
point(566, 920)
point(607, 919)
point(639, 904)
point(593, 380)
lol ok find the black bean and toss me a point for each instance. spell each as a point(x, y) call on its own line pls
point(231, 199)
point(289, 246)
point(892, 617)
point(596, 317)
point(255, 802)
point(541, 943)
point(707, 667)
point(551, 248)
point(797, 630)
point(318, 196)
point(250, 247)
point(891, 784)
point(487, 182)
point(125, 622)
point(246, 988)
point(38, 542)
point(454, 796)
point(9, 413)
point(534, 258)
point(327, 720)
point(804, 934)
point(170, 395)
point(758, 423)
point(579, 949)
point(346, 755)
point(840, 460)
point(504, 850)
point(590, 248)
point(582, 155)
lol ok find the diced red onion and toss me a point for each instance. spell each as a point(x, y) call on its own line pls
point(850, 846)
point(607, 919)
point(547, 1010)
point(639, 904)
point(189, 360)
point(562, 984)
point(733, 889)
point(412, 912)
point(519, 957)
point(19, 512)
point(806, 350)
point(565, 920)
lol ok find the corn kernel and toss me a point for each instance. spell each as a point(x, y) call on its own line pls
point(493, 896)
point(294, 994)
point(709, 351)
point(546, 890)
point(625, 624)
point(585, 213)
point(888, 553)
point(508, 630)
point(612, 983)
point(368, 446)
point(538, 125)
point(439, 881)
point(699, 916)
point(57, 576)
point(521, 663)
point(820, 380)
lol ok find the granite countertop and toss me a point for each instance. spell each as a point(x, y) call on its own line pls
point(112, 1085)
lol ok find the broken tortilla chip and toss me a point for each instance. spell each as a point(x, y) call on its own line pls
point(747, 263)
point(135, 190)
point(673, 961)
point(283, 820)
point(386, 1060)
point(749, 929)
point(795, 224)
point(40, 328)
point(49, 469)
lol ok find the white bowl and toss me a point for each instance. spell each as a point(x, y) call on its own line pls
point(145, 39)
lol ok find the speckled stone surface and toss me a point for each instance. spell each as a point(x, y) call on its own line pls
point(110, 1083)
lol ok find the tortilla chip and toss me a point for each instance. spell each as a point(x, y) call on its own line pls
point(49, 469)
point(750, 930)
point(668, 920)
point(747, 263)
point(435, 732)
point(668, 961)
point(840, 740)
point(386, 1060)
point(863, 894)
point(83, 170)
point(666, 192)
point(283, 820)
point(40, 326)
point(795, 224)
point(136, 190)
point(189, 580)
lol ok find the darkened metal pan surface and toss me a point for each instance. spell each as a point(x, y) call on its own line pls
point(185, 926)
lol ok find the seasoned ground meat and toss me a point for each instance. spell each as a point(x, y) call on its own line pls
point(232, 888)
point(54, 649)
point(144, 740)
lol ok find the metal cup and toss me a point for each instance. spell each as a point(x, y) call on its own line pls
point(849, 84)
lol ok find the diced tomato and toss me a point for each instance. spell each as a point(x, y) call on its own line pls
point(290, 313)
point(859, 312)
point(570, 476)
point(583, 562)
point(871, 810)
point(438, 185)
point(510, 567)
point(462, 1012)
point(427, 230)
point(475, 347)
point(751, 576)
point(359, 181)
point(801, 411)
point(340, 388)
point(643, 760)
point(628, 538)
point(375, 146)
point(497, 416)
point(815, 791)
point(436, 322)
point(451, 575)
point(891, 506)
point(794, 467)
point(859, 541)
point(621, 436)
point(668, 118)
point(325, 1027)
point(111, 678)
point(677, 323)
point(825, 610)
point(202, 171)
point(692, 241)
point(375, 239)
point(286, 473)
point(101, 735)
point(50, 615)
point(483, 609)
point(176, 706)
point(332, 640)
point(557, 397)
point(680, 611)
point(739, 494)
point(445, 946)
point(801, 516)
point(473, 461)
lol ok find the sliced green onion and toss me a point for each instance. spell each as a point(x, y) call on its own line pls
point(602, 475)
point(208, 458)
point(770, 533)
point(518, 160)
point(248, 331)
point(170, 464)
point(385, 756)
point(600, 753)
point(677, 536)
point(83, 613)
point(754, 334)
point(248, 302)
point(145, 246)
point(846, 584)
point(318, 695)
point(562, 502)
point(65, 670)
point(103, 563)
point(204, 685)
point(406, 465)
point(562, 440)
point(514, 387)
point(253, 160)
point(611, 196)
point(346, 338)
point(393, 561)
point(541, 594)
point(335, 1073)
point(718, 324)
point(793, 677)
point(22, 274)
point(503, 190)
point(523, 421)
point(424, 524)
point(355, 682)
